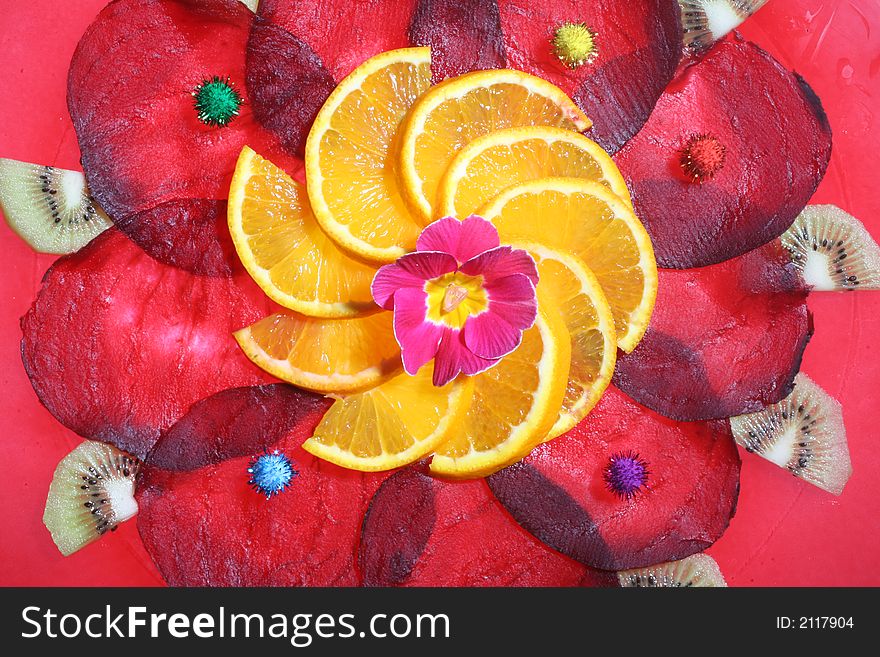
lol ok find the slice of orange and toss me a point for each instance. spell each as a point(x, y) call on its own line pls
point(514, 404)
point(351, 155)
point(325, 355)
point(503, 158)
point(569, 288)
point(393, 424)
point(285, 251)
point(460, 109)
point(587, 219)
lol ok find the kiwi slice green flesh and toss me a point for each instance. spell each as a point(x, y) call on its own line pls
point(706, 21)
point(695, 570)
point(92, 491)
point(833, 250)
point(49, 208)
point(803, 433)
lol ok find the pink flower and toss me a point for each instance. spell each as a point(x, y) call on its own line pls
point(460, 298)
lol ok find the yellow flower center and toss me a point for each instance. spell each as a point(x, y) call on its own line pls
point(452, 298)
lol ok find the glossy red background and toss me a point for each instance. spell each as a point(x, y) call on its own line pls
point(785, 532)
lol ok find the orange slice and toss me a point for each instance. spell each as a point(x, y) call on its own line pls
point(393, 424)
point(514, 404)
point(588, 220)
point(285, 251)
point(351, 155)
point(503, 158)
point(325, 355)
point(569, 288)
point(460, 109)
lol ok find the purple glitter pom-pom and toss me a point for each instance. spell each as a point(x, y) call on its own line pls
point(626, 474)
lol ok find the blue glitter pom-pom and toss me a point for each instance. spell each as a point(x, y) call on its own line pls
point(271, 474)
point(626, 474)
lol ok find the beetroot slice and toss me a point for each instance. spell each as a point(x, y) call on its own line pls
point(234, 422)
point(287, 83)
point(343, 34)
point(207, 527)
point(743, 352)
point(130, 97)
point(775, 153)
point(421, 531)
point(118, 346)
point(464, 35)
point(190, 233)
point(558, 492)
point(638, 44)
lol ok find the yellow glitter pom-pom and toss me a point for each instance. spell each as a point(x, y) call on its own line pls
point(575, 44)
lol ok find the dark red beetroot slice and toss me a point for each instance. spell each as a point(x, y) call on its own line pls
point(206, 526)
point(639, 46)
point(776, 141)
point(723, 340)
point(130, 97)
point(464, 35)
point(559, 494)
point(192, 234)
point(231, 423)
point(421, 531)
point(287, 83)
point(118, 346)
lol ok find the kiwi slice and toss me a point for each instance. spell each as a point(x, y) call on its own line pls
point(695, 570)
point(92, 491)
point(49, 208)
point(803, 433)
point(833, 250)
point(706, 21)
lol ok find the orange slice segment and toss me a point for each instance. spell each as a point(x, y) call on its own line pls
point(514, 404)
point(391, 425)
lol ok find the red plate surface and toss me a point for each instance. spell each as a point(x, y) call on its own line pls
point(785, 532)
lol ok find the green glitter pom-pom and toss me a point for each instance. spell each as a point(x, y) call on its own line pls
point(575, 44)
point(216, 101)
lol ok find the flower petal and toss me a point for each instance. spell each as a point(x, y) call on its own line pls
point(463, 239)
point(410, 271)
point(142, 143)
point(464, 35)
point(118, 346)
point(418, 338)
point(501, 262)
point(454, 357)
point(489, 336)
